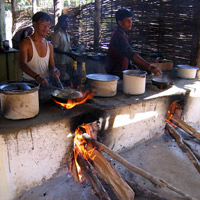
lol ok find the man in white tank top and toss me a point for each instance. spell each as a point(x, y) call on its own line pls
point(36, 53)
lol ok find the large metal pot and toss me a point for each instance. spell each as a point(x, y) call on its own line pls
point(104, 85)
point(19, 99)
point(186, 71)
point(134, 82)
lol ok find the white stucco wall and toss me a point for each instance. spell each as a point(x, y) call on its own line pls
point(31, 156)
point(136, 122)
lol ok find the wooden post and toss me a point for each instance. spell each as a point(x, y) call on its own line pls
point(2, 20)
point(97, 26)
point(58, 6)
point(34, 6)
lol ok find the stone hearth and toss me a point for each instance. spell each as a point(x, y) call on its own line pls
point(34, 150)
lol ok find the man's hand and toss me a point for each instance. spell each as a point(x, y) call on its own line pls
point(156, 70)
point(42, 81)
point(55, 72)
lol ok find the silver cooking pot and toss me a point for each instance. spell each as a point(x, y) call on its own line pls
point(104, 85)
point(19, 99)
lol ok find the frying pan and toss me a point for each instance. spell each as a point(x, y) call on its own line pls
point(64, 95)
point(161, 82)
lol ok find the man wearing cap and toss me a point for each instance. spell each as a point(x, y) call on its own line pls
point(120, 51)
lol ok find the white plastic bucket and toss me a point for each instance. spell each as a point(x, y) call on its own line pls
point(134, 82)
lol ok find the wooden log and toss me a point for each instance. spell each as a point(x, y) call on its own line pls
point(89, 172)
point(110, 175)
point(74, 170)
point(137, 170)
point(190, 147)
point(183, 147)
point(147, 194)
point(186, 127)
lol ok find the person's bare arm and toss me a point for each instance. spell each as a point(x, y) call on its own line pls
point(53, 70)
point(154, 69)
point(25, 46)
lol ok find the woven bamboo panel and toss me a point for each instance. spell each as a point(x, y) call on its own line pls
point(167, 26)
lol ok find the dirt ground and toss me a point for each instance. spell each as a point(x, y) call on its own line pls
point(160, 156)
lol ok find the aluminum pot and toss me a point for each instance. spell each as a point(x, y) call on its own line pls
point(134, 81)
point(19, 99)
point(186, 71)
point(104, 85)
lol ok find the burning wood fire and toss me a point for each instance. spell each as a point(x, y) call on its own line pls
point(88, 162)
point(174, 121)
point(75, 98)
point(85, 153)
point(175, 109)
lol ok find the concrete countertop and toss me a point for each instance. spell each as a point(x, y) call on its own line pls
point(50, 111)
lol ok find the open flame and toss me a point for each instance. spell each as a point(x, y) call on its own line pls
point(173, 111)
point(73, 102)
point(82, 147)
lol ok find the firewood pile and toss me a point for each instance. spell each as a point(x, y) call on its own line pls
point(174, 123)
point(89, 163)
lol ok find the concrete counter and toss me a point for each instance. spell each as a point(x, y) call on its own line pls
point(50, 111)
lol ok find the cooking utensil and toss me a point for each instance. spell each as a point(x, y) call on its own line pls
point(186, 71)
point(161, 82)
point(60, 85)
point(63, 96)
point(104, 85)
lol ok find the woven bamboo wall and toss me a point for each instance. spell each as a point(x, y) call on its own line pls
point(167, 26)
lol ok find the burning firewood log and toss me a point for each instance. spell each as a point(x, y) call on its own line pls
point(186, 127)
point(183, 147)
point(137, 170)
point(110, 175)
point(84, 153)
point(91, 176)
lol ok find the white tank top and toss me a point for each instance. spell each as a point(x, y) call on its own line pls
point(39, 65)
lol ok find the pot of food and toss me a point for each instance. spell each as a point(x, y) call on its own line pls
point(64, 95)
point(134, 82)
point(186, 71)
point(104, 85)
point(19, 99)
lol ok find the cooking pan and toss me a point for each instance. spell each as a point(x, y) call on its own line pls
point(161, 82)
point(64, 95)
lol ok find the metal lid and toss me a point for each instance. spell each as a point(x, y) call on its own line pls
point(102, 77)
point(187, 67)
point(18, 86)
